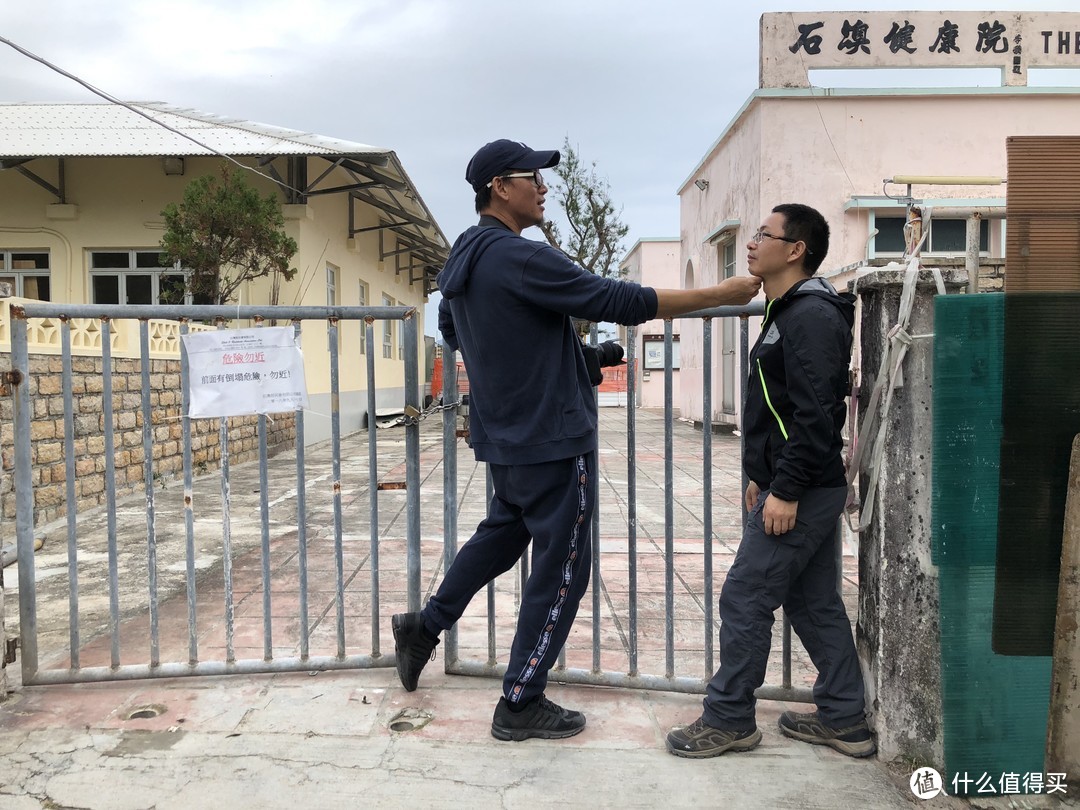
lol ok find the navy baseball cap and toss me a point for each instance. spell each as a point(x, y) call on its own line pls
point(492, 159)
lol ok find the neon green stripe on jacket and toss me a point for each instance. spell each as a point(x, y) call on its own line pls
point(765, 390)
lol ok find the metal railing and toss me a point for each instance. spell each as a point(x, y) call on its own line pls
point(115, 669)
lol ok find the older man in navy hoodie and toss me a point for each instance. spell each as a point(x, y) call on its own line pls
point(508, 304)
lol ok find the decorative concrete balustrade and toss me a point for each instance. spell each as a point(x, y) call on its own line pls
point(47, 401)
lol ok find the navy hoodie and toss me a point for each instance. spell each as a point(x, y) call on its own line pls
point(798, 379)
point(507, 307)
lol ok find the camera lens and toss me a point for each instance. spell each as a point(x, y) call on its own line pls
point(610, 352)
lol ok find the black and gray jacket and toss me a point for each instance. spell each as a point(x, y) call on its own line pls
point(798, 380)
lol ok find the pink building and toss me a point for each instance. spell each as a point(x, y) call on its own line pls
point(833, 149)
point(655, 263)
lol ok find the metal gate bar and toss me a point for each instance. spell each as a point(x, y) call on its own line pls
point(69, 490)
point(631, 508)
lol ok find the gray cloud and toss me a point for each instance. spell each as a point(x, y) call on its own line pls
point(643, 88)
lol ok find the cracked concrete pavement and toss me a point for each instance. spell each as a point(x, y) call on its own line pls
point(289, 739)
point(282, 741)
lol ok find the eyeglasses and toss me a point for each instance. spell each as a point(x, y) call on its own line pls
point(761, 236)
point(535, 176)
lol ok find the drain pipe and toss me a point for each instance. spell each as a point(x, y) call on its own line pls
point(974, 230)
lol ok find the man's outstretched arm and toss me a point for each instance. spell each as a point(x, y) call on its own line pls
point(734, 291)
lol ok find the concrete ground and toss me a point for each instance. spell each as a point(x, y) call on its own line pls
point(286, 739)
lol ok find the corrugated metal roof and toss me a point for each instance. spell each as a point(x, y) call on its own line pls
point(43, 131)
point(88, 130)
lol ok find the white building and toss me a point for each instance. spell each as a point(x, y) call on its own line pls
point(654, 262)
point(82, 188)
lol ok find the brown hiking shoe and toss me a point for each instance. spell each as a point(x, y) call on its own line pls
point(699, 740)
point(855, 741)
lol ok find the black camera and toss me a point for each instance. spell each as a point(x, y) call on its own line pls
point(608, 353)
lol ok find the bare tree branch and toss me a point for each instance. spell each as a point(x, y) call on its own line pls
point(596, 231)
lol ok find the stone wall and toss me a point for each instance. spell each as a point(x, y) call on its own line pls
point(991, 270)
point(47, 433)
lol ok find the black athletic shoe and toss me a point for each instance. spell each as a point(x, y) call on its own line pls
point(855, 741)
point(414, 646)
point(700, 740)
point(540, 718)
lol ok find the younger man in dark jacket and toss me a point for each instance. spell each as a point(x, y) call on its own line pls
point(508, 304)
point(798, 379)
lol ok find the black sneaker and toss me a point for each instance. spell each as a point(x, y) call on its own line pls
point(855, 741)
point(700, 740)
point(414, 646)
point(540, 718)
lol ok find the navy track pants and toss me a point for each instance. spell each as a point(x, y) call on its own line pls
point(550, 504)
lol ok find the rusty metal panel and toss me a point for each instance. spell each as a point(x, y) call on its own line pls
point(1041, 337)
point(1042, 209)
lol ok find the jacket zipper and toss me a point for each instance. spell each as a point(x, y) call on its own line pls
point(765, 390)
point(761, 375)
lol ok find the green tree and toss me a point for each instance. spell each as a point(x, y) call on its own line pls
point(223, 234)
point(595, 229)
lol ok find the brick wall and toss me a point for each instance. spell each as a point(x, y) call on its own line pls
point(47, 433)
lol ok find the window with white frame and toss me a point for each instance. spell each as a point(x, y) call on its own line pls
point(729, 257)
point(388, 331)
point(137, 277)
point(363, 325)
point(947, 237)
point(331, 299)
point(331, 285)
point(400, 339)
point(27, 271)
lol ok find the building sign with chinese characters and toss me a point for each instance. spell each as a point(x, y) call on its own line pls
point(793, 43)
point(234, 372)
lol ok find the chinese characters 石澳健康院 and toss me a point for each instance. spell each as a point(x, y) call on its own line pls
point(855, 37)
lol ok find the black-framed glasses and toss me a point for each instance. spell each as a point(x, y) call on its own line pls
point(534, 175)
point(762, 235)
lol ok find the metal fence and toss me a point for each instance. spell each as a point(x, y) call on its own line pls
point(276, 571)
point(195, 664)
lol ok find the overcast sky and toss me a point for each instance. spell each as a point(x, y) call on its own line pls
point(642, 88)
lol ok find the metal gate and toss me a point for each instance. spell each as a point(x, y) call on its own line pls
point(306, 596)
point(274, 566)
point(685, 666)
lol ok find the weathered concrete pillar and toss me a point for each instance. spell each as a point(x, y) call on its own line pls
point(898, 628)
point(1063, 730)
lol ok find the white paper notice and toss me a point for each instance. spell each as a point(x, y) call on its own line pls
point(234, 372)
